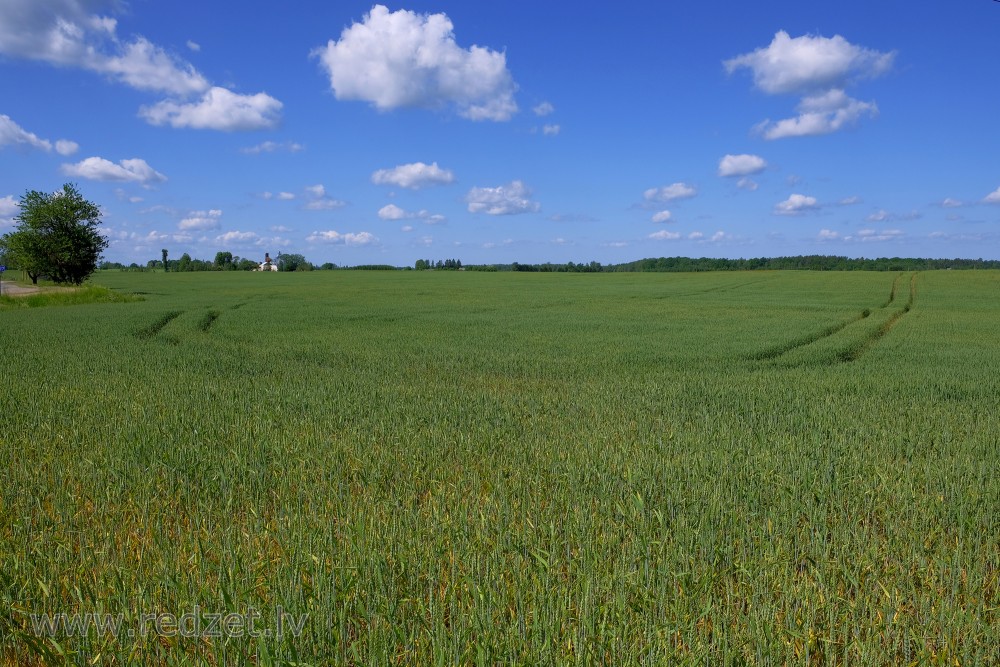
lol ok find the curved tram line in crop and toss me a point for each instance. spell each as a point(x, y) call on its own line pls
point(855, 351)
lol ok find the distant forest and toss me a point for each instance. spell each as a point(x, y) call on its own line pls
point(294, 262)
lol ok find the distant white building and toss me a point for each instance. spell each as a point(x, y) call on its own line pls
point(267, 264)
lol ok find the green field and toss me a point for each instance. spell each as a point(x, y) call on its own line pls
point(498, 468)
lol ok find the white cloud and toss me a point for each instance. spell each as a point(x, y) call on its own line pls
point(746, 183)
point(281, 229)
point(201, 220)
point(550, 130)
point(828, 235)
point(218, 109)
point(392, 212)
point(8, 207)
point(319, 200)
point(543, 109)
point(664, 235)
point(741, 165)
point(818, 69)
point(669, 192)
point(796, 204)
point(99, 169)
point(809, 63)
point(819, 114)
point(404, 59)
point(67, 33)
point(879, 216)
point(194, 46)
point(286, 196)
point(661, 216)
point(861, 236)
point(993, 197)
point(273, 147)
point(66, 147)
point(952, 203)
point(406, 228)
point(348, 239)
point(850, 201)
point(12, 134)
point(510, 199)
point(719, 236)
point(696, 236)
point(414, 176)
point(237, 238)
point(124, 196)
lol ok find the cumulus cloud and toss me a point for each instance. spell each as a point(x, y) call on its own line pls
point(286, 196)
point(819, 114)
point(273, 147)
point(796, 204)
point(669, 193)
point(236, 237)
point(8, 207)
point(12, 134)
point(993, 197)
point(862, 236)
point(218, 109)
point(319, 201)
point(550, 130)
point(664, 235)
point(695, 236)
point(661, 216)
point(201, 220)
point(414, 176)
point(98, 169)
point(543, 109)
point(405, 59)
point(393, 212)
point(741, 165)
point(953, 203)
point(510, 199)
point(818, 69)
point(348, 239)
point(68, 33)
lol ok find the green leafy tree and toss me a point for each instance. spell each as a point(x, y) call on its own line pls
point(57, 236)
point(223, 260)
point(291, 262)
point(164, 260)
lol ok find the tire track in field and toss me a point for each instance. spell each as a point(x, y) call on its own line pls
point(854, 353)
point(208, 320)
point(148, 332)
point(809, 339)
point(782, 349)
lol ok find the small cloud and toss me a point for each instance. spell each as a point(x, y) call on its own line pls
point(273, 147)
point(571, 217)
point(319, 200)
point(741, 165)
point(828, 235)
point(993, 197)
point(543, 109)
point(414, 176)
point(393, 212)
point(201, 220)
point(124, 196)
point(99, 169)
point(951, 203)
point(218, 109)
point(796, 204)
point(746, 183)
point(280, 229)
point(550, 130)
point(348, 239)
point(8, 207)
point(66, 147)
point(695, 236)
point(878, 216)
point(669, 192)
point(194, 46)
point(849, 201)
point(286, 196)
point(237, 238)
point(511, 199)
point(406, 228)
point(664, 235)
point(661, 216)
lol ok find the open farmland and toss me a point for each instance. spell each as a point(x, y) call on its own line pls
point(496, 468)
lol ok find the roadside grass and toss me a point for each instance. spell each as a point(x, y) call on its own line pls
point(67, 296)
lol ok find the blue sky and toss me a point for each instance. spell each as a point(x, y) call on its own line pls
point(494, 132)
